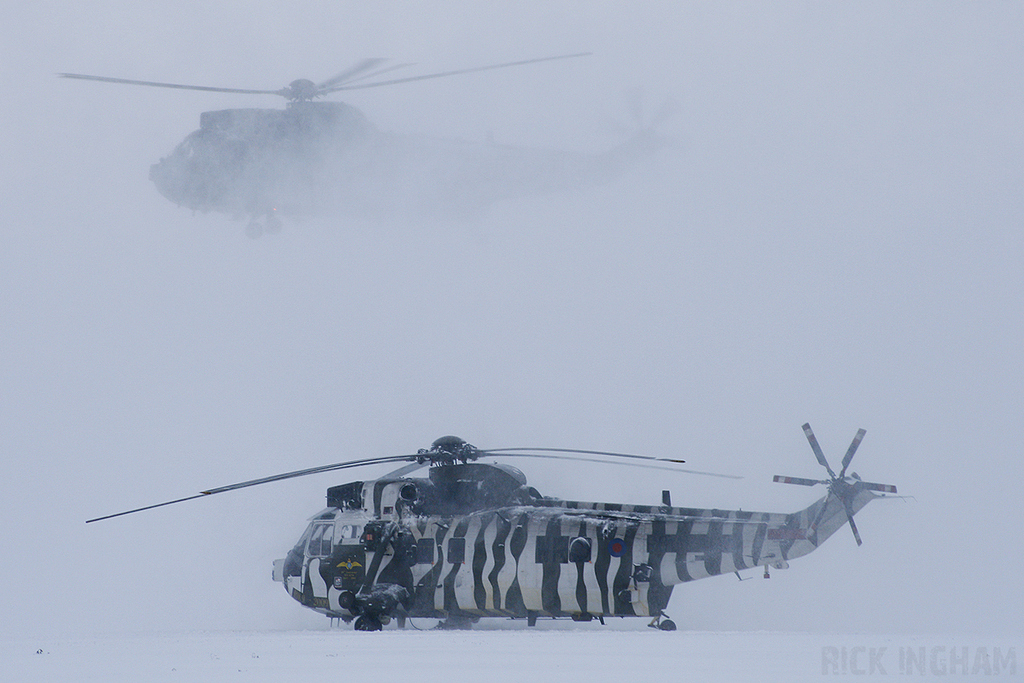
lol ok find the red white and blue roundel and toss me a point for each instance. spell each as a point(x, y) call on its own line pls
point(616, 547)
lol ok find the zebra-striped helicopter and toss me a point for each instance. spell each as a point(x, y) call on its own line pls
point(474, 540)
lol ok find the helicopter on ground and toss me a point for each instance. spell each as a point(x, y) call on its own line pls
point(315, 158)
point(474, 540)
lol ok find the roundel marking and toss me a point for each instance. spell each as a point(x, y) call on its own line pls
point(616, 547)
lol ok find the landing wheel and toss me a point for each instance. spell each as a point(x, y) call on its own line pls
point(662, 623)
point(368, 623)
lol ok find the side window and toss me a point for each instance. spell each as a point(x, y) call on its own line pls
point(456, 550)
point(425, 551)
point(552, 549)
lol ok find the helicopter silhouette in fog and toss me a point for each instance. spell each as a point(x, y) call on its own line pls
point(316, 158)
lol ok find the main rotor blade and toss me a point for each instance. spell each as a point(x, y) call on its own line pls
point(851, 450)
point(606, 462)
point(267, 480)
point(817, 449)
point(127, 81)
point(523, 452)
point(148, 507)
point(378, 72)
point(577, 450)
point(451, 73)
point(351, 72)
point(312, 470)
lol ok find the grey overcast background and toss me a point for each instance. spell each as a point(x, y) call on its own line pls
point(836, 237)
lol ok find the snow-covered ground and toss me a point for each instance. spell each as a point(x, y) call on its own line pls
point(507, 652)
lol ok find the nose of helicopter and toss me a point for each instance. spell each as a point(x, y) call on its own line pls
point(204, 173)
point(168, 180)
point(188, 175)
point(184, 182)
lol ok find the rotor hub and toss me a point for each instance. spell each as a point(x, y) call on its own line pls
point(448, 450)
point(301, 90)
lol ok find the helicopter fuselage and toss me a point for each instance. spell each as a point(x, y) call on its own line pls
point(315, 158)
point(381, 552)
point(474, 540)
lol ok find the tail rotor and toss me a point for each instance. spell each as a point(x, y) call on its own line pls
point(842, 487)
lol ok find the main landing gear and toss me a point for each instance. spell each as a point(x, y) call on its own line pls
point(663, 623)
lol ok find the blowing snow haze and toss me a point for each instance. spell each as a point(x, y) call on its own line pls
point(326, 158)
point(834, 237)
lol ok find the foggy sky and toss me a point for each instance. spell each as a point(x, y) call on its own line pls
point(835, 238)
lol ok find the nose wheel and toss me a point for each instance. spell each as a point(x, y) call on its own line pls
point(367, 622)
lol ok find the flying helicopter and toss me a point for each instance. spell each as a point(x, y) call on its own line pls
point(474, 539)
point(315, 158)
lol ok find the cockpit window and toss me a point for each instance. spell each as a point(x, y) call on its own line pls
point(320, 541)
point(325, 542)
point(313, 548)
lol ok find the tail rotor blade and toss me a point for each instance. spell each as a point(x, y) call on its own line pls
point(817, 520)
point(817, 449)
point(851, 450)
point(797, 480)
point(853, 525)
